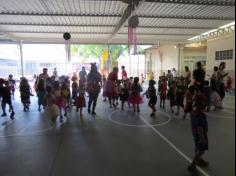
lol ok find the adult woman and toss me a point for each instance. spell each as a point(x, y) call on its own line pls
point(93, 88)
point(110, 87)
point(221, 80)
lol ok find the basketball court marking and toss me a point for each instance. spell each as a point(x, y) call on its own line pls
point(139, 126)
point(173, 146)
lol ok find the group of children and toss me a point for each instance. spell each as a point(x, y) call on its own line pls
point(55, 97)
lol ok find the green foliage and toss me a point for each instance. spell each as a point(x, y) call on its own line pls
point(95, 51)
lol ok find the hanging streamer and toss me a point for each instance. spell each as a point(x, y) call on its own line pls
point(67, 37)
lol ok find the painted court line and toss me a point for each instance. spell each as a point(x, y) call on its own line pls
point(139, 126)
point(174, 147)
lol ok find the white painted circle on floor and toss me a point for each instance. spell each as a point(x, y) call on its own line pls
point(139, 126)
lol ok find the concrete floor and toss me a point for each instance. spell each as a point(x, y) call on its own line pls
point(115, 143)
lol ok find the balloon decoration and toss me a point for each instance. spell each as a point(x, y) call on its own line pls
point(67, 37)
point(132, 35)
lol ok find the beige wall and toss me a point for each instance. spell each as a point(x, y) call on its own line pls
point(219, 44)
point(170, 56)
point(169, 59)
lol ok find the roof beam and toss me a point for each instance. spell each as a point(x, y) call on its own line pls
point(57, 14)
point(91, 25)
point(186, 17)
point(129, 11)
point(195, 2)
point(126, 15)
point(58, 32)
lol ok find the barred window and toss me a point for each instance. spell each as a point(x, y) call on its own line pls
point(224, 55)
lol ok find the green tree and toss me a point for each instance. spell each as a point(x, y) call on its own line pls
point(95, 51)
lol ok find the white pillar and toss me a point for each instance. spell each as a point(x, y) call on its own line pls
point(21, 58)
point(178, 59)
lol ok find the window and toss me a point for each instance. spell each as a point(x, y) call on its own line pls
point(224, 55)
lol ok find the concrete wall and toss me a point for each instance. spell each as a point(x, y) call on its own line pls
point(170, 56)
point(169, 59)
point(219, 44)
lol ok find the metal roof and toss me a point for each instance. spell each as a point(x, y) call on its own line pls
point(105, 21)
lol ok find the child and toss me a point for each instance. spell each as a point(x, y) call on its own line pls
point(124, 95)
point(229, 84)
point(40, 90)
point(199, 130)
point(215, 99)
point(80, 100)
point(180, 91)
point(64, 95)
point(6, 99)
point(59, 101)
point(189, 101)
point(171, 95)
point(51, 111)
point(151, 94)
point(25, 93)
point(135, 97)
point(12, 84)
point(162, 91)
point(74, 89)
point(118, 89)
point(103, 85)
point(207, 94)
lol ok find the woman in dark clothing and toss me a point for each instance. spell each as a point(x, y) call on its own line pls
point(93, 87)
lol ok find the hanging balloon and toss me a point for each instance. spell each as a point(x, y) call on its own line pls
point(66, 36)
point(133, 21)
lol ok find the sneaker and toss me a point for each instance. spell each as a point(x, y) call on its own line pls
point(4, 114)
point(203, 163)
point(193, 170)
point(12, 115)
point(93, 113)
point(152, 114)
point(89, 111)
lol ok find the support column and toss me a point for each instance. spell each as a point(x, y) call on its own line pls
point(178, 59)
point(21, 58)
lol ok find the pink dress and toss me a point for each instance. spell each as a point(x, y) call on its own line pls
point(110, 86)
point(216, 100)
point(135, 97)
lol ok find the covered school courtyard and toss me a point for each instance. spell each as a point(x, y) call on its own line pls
point(179, 33)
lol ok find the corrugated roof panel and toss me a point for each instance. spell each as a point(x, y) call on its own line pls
point(23, 6)
point(203, 23)
point(170, 22)
point(158, 21)
point(66, 20)
point(64, 6)
point(185, 31)
point(168, 9)
point(144, 30)
point(141, 38)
